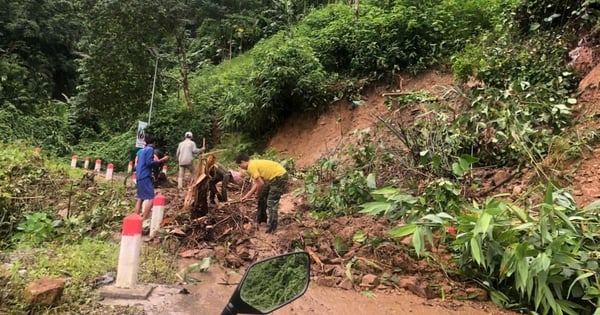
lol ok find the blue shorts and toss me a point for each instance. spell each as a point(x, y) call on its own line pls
point(145, 189)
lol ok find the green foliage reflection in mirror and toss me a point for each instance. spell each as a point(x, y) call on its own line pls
point(272, 283)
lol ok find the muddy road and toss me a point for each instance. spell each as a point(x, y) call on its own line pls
point(216, 285)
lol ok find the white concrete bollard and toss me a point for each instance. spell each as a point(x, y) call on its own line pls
point(86, 163)
point(98, 166)
point(158, 209)
point(74, 161)
point(130, 167)
point(129, 256)
point(109, 171)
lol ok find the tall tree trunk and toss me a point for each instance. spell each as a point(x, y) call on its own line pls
point(184, 71)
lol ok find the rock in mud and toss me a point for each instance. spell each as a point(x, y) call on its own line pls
point(500, 177)
point(234, 261)
point(346, 284)
point(517, 190)
point(329, 282)
point(220, 252)
point(189, 253)
point(414, 285)
point(205, 252)
point(369, 281)
point(44, 292)
point(246, 253)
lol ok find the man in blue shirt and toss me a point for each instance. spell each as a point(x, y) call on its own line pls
point(143, 172)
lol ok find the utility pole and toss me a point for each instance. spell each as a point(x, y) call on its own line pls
point(154, 52)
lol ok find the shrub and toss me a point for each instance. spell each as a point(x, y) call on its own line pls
point(539, 258)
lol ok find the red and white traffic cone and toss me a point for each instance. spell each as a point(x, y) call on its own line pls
point(98, 166)
point(158, 209)
point(74, 161)
point(129, 256)
point(109, 171)
point(86, 163)
point(130, 167)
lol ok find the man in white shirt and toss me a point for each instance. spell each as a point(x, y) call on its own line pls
point(185, 157)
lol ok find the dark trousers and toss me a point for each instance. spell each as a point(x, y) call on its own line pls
point(268, 199)
point(224, 179)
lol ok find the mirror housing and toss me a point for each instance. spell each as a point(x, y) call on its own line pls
point(270, 284)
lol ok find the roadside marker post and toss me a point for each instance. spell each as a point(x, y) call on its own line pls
point(134, 178)
point(98, 166)
point(130, 167)
point(129, 256)
point(86, 163)
point(74, 161)
point(109, 171)
point(158, 209)
point(164, 169)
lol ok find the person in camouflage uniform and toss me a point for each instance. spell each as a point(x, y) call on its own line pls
point(270, 181)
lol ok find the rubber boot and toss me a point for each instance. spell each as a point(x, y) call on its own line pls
point(272, 227)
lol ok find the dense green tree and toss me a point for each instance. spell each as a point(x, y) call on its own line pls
point(37, 40)
point(230, 27)
point(125, 42)
point(118, 71)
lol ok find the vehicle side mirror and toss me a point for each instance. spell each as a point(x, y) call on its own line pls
point(270, 284)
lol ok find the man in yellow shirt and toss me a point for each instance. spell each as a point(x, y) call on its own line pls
point(270, 181)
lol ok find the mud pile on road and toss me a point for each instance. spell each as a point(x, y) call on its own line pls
point(351, 253)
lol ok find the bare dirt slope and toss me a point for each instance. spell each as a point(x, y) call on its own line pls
point(586, 172)
point(307, 138)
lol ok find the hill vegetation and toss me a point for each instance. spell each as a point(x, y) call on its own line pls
point(98, 78)
point(76, 77)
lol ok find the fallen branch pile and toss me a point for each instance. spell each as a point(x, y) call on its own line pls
point(211, 223)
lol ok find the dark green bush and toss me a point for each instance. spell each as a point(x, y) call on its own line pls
point(327, 31)
point(169, 127)
point(47, 128)
point(117, 149)
point(24, 184)
point(226, 92)
point(500, 60)
point(290, 78)
point(548, 14)
point(387, 38)
point(256, 92)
